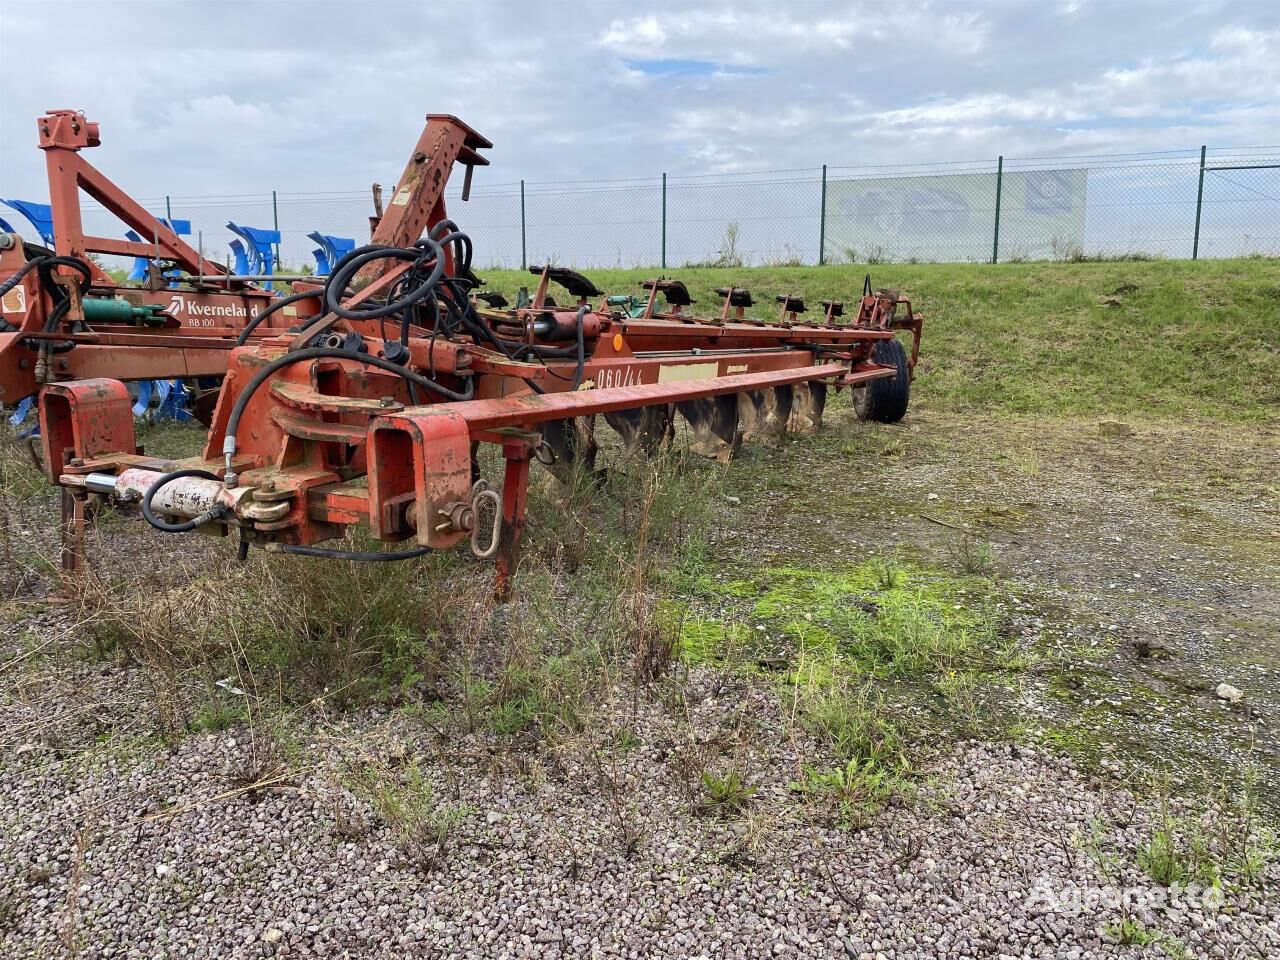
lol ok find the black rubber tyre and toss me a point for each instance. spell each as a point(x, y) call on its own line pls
point(885, 401)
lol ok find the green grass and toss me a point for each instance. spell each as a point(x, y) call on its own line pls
point(168, 439)
point(880, 619)
point(332, 629)
point(726, 793)
point(1051, 338)
point(853, 652)
point(1131, 932)
point(857, 789)
point(407, 802)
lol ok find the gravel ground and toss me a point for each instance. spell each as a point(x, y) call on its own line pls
point(126, 852)
point(252, 843)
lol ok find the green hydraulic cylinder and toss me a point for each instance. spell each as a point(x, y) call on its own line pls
point(113, 310)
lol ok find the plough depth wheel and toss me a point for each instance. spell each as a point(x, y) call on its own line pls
point(885, 401)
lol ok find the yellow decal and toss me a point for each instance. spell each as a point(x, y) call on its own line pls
point(15, 301)
point(673, 373)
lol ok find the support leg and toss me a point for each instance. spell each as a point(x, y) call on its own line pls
point(515, 490)
point(73, 528)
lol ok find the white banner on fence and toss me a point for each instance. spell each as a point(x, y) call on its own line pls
point(951, 217)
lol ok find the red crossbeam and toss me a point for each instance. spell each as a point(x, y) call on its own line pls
point(533, 408)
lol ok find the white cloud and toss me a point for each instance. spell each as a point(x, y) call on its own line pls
point(645, 31)
point(1243, 65)
point(249, 97)
point(786, 30)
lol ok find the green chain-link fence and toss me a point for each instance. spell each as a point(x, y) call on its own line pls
point(1210, 202)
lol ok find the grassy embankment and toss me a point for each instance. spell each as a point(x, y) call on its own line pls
point(1145, 338)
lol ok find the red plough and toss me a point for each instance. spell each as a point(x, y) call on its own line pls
point(368, 410)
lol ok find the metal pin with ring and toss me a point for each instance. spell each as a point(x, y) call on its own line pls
point(547, 460)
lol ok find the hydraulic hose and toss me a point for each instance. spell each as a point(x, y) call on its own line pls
point(277, 305)
point(369, 556)
point(45, 261)
point(582, 346)
point(187, 525)
point(412, 294)
point(74, 263)
point(519, 348)
point(21, 272)
point(462, 245)
point(425, 253)
point(446, 232)
point(347, 268)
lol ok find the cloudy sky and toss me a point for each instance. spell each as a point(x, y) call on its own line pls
point(228, 97)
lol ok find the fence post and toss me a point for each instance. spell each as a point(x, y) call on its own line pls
point(1195, 243)
point(275, 223)
point(664, 221)
point(995, 243)
point(822, 220)
point(524, 254)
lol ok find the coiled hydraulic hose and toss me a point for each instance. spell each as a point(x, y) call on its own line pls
point(425, 255)
point(446, 232)
point(62, 307)
point(426, 251)
point(46, 265)
point(21, 272)
point(185, 526)
point(44, 261)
